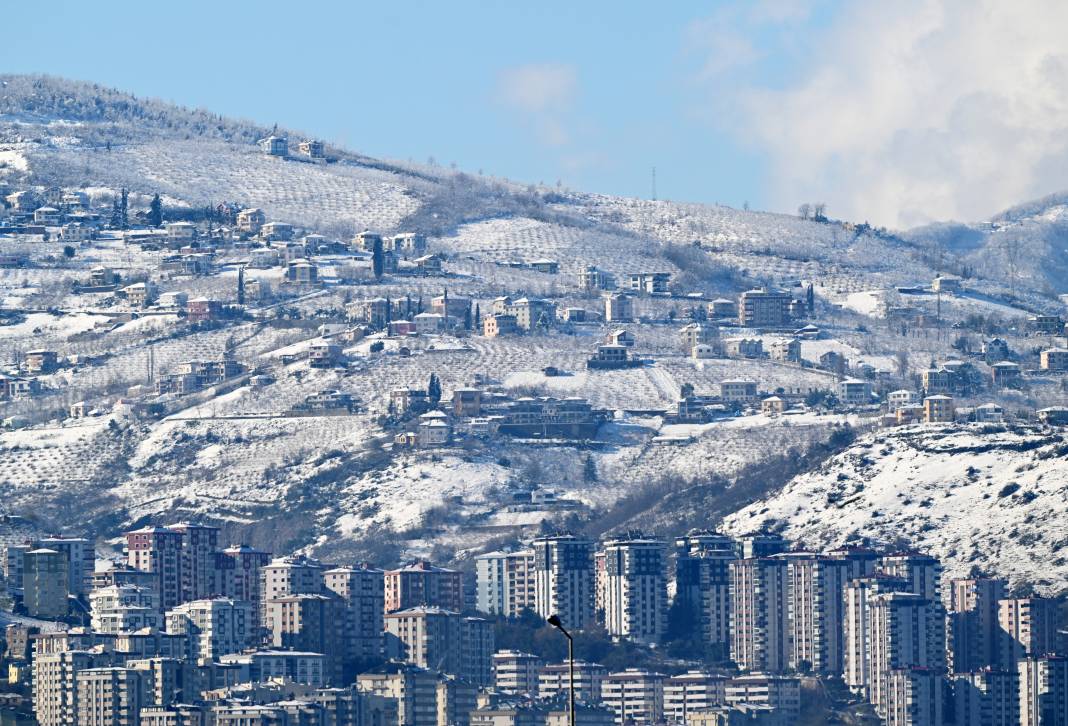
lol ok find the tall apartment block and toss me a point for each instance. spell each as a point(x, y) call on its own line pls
point(972, 625)
point(505, 582)
point(635, 589)
point(760, 624)
point(564, 579)
point(703, 582)
point(424, 584)
point(362, 593)
point(906, 631)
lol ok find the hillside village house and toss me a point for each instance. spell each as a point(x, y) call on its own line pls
point(49, 216)
point(375, 312)
point(744, 347)
point(622, 337)
point(202, 309)
point(649, 283)
point(76, 233)
point(42, 361)
point(1004, 373)
point(989, 413)
point(140, 294)
point(495, 325)
point(610, 356)
point(324, 355)
point(273, 231)
point(946, 283)
point(529, 313)
point(549, 267)
point(366, 240)
point(102, 277)
point(937, 380)
point(772, 406)
point(786, 350)
point(1054, 359)
point(302, 272)
point(180, 233)
point(1053, 415)
point(467, 402)
point(458, 309)
point(737, 390)
point(312, 148)
point(938, 409)
point(707, 350)
point(854, 392)
point(251, 220)
point(22, 201)
point(763, 308)
point(428, 264)
point(619, 308)
point(721, 308)
point(695, 333)
point(174, 299)
point(275, 146)
point(909, 413)
point(1046, 324)
point(591, 279)
point(429, 323)
point(995, 350)
point(408, 244)
point(900, 398)
point(434, 429)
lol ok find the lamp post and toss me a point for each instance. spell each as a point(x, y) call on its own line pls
point(554, 620)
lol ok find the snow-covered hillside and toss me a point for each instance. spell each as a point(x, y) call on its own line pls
point(991, 498)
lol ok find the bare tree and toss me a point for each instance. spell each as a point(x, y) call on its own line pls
point(804, 211)
point(819, 211)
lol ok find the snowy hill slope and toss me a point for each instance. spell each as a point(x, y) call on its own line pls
point(992, 499)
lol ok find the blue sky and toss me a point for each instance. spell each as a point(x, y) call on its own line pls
point(774, 102)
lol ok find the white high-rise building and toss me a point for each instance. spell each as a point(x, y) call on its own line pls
point(693, 691)
point(505, 582)
point(923, 572)
point(564, 579)
point(124, 609)
point(635, 589)
point(914, 697)
point(110, 696)
point(905, 631)
point(635, 696)
point(214, 627)
point(1027, 627)
point(516, 673)
point(1043, 691)
point(760, 625)
point(817, 618)
point(986, 697)
point(856, 626)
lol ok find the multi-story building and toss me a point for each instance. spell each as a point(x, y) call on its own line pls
point(1043, 690)
point(309, 623)
point(703, 582)
point(423, 584)
point(693, 691)
point(564, 579)
point(55, 691)
point(505, 582)
point(763, 308)
point(555, 680)
point(296, 666)
point(986, 697)
point(200, 544)
point(158, 550)
point(635, 589)
point(238, 573)
point(635, 696)
point(362, 593)
point(414, 689)
point(649, 283)
point(214, 627)
point(592, 279)
point(906, 631)
point(516, 673)
point(914, 697)
point(923, 573)
point(972, 626)
point(856, 658)
point(45, 579)
point(619, 308)
point(432, 637)
point(530, 313)
point(124, 608)
point(938, 409)
point(110, 696)
point(760, 625)
point(782, 693)
point(294, 575)
point(817, 618)
point(81, 560)
point(1027, 628)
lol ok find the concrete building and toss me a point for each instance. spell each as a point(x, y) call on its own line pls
point(591, 279)
point(1054, 359)
point(781, 693)
point(619, 308)
point(292, 575)
point(856, 658)
point(986, 697)
point(914, 697)
point(938, 409)
point(81, 559)
point(238, 573)
point(200, 544)
point(295, 666)
point(564, 579)
point(516, 673)
point(760, 627)
point(55, 691)
point(432, 637)
point(124, 608)
point(158, 550)
point(214, 627)
point(923, 573)
point(817, 612)
point(763, 308)
point(906, 631)
point(423, 584)
point(45, 583)
point(1043, 690)
point(497, 325)
point(505, 583)
point(1027, 628)
point(554, 681)
point(362, 594)
point(110, 696)
point(691, 692)
point(309, 623)
point(635, 589)
point(736, 390)
point(703, 582)
point(973, 636)
point(414, 689)
point(854, 392)
point(635, 696)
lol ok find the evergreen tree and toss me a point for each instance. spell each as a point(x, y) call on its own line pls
point(377, 259)
point(433, 390)
point(389, 311)
point(155, 212)
point(116, 216)
point(124, 209)
point(589, 469)
point(478, 317)
point(467, 319)
point(810, 298)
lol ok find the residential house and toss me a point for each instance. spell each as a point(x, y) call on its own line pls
point(549, 267)
point(947, 283)
point(938, 409)
point(772, 406)
point(738, 391)
point(42, 361)
point(745, 347)
point(251, 220)
point(275, 146)
point(621, 337)
point(898, 399)
point(408, 244)
point(277, 231)
point(707, 350)
point(495, 325)
point(610, 356)
point(428, 265)
point(989, 413)
point(649, 283)
point(76, 233)
point(302, 272)
point(324, 355)
point(786, 350)
point(995, 350)
point(592, 279)
point(202, 309)
point(48, 216)
point(429, 323)
point(722, 309)
point(1004, 373)
point(312, 148)
point(854, 392)
point(180, 233)
point(695, 333)
point(1054, 359)
point(619, 308)
point(763, 308)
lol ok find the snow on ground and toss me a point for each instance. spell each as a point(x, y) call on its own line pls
point(990, 498)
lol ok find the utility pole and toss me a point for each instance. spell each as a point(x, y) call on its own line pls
point(654, 183)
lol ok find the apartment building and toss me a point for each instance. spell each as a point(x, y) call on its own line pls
point(691, 692)
point(45, 580)
point(516, 673)
point(619, 308)
point(55, 691)
point(1027, 628)
point(817, 618)
point(782, 693)
point(923, 573)
point(906, 631)
point(124, 608)
point(414, 689)
point(760, 625)
point(986, 697)
point(1043, 690)
point(914, 697)
point(158, 550)
point(238, 573)
point(635, 589)
point(293, 575)
point(81, 560)
point(431, 637)
point(856, 626)
point(505, 582)
point(361, 591)
point(763, 308)
point(973, 636)
point(423, 584)
point(634, 696)
point(309, 623)
point(214, 627)
point(564, 579)
point(110, 696)
point(703, 582)
point(555, 679)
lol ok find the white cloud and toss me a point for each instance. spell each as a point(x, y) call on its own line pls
point(920, 109)
point(538, 88)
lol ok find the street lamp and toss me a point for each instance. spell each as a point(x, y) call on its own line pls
point(554, 620)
